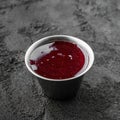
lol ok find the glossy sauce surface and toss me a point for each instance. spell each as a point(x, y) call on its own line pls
point(57, 60)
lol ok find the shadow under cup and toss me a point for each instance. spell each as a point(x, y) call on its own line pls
point(62, 88)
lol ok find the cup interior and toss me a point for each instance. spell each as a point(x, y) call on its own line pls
point(85, 48)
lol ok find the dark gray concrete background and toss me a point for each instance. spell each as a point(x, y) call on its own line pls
point(23, 22)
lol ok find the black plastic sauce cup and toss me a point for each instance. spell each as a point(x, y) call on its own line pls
point(62, 88)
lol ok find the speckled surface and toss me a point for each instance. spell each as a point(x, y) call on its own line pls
point(23, 22)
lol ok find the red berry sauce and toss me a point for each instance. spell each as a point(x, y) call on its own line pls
point(57, 60)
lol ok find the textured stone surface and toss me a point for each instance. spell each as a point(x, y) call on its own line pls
point(23, 22)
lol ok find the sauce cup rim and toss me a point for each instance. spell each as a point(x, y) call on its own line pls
point(78, 41)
